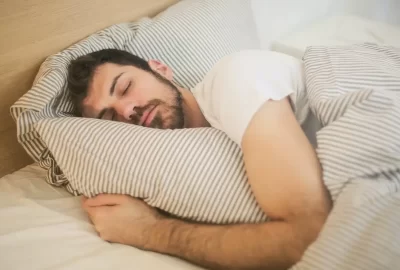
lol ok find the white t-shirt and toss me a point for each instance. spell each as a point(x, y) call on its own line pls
point(239, 84)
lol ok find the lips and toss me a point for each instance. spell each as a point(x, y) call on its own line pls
point(147, 115)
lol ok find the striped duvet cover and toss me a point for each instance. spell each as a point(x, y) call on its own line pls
point(355, 93)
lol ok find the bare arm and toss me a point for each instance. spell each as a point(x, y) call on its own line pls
point(285, 176)
point(250, 246)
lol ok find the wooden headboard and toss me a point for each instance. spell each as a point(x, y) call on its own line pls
point(32, 30)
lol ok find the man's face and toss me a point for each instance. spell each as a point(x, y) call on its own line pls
point(131, 95)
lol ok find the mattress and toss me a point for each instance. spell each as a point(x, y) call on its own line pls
point(44, 227)
point(338, 30)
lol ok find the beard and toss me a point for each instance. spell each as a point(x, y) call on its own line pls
point(169, 114)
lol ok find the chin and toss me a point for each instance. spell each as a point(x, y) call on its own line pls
point(170, 121)
point(169, 126)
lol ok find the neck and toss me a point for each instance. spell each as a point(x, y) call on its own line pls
point(194, 118)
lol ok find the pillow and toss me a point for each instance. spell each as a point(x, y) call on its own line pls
point(190, 36)
point(196, 174)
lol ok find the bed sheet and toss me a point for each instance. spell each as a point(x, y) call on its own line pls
point(44, 227)
point(338, 30)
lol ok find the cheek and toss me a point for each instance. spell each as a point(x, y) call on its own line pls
point(156, 91)
point(168, 113)
point(137, 97)
point(145, 93)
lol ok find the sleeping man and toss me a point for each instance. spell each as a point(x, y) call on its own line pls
point(251, 96)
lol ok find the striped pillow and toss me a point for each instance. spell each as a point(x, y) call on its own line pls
point(191, 37)
point(196, 174)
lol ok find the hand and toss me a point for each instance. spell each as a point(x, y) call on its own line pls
point(122, 219)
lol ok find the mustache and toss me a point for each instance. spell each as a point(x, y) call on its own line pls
point(139, 111)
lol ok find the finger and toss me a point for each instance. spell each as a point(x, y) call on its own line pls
point(83, 199)
point(84, 204)
point(99, 213)
point(105, 199)
point(91, 212)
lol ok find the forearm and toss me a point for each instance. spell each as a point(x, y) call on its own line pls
point(272, 245)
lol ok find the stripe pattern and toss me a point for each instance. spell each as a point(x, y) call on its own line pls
point(195, 174)
point(355, 92)
point(190, 36)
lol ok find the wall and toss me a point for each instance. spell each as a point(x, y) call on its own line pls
point(277, 18)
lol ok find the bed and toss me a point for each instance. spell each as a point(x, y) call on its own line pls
point(44, 227)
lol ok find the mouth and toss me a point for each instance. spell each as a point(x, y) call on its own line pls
point(148, 116)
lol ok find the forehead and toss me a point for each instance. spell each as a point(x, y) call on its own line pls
point(99, 87)
point(105, 74)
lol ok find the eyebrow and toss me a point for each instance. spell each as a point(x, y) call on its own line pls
point(112, 89)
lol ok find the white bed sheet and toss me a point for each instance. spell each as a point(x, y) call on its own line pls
point(338, 30)
point(43, 227)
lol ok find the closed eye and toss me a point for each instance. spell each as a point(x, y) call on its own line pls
point(127, 88)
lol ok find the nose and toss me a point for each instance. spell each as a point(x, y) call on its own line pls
point(124, 110)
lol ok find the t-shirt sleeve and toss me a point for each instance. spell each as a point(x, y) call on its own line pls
point(243, 82)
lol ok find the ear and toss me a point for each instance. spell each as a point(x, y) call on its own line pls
point(161, 69)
